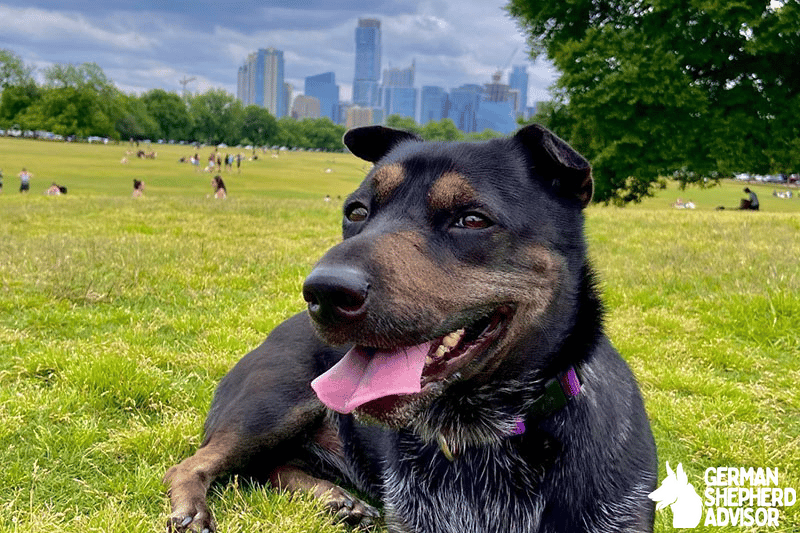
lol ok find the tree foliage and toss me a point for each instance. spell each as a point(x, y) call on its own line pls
point(13, 71)
point(258, 125)
point(170, 114)
point(442, 130)
point(697, 88)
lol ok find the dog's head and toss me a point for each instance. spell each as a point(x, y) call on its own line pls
point(457, 262)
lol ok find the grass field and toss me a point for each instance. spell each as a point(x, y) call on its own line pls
point(118, 316)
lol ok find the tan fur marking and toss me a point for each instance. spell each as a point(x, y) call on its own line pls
point(328, 437)
point(386, 180)
point(291, 478)
point(530, 282)
point(449, 191)
point(189, 480)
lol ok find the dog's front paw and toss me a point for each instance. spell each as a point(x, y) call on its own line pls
point(350, 509)
point(193, 518)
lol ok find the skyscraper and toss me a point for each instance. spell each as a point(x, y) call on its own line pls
point(260, 81)
point(368, 63)
point(305, 107)
point(323, 87)
point(398, 93)
point(434, 104)
point(464, 103)
point(519, 81)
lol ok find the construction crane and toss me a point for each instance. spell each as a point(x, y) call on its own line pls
point(501, 71)
point(186, 81)
point(498, 75)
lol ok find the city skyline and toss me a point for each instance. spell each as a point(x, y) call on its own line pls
point(495, 106)
point(154, 44)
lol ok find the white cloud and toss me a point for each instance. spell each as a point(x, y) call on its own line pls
point(54, 27)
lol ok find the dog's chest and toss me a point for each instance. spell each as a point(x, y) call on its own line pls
point(486, 489)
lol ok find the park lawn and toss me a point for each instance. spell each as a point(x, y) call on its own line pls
point(118, 316)
point(97, 169)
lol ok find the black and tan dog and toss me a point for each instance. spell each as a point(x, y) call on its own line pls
point(461, 376)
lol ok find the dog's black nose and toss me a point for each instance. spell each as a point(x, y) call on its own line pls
point(336, 294)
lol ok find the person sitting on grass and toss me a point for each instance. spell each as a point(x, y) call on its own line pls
point(751, 203)
point(55, 190)
point(219, 187)
point(138, 188)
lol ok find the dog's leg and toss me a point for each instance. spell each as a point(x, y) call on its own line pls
point(265, 417)
point(189, 480)
point(229, 448)
point(341, 503)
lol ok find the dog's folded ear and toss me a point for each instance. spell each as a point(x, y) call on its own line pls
point(554, 159)
point(373, 142)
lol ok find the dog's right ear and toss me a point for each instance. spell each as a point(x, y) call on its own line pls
point(371, 143)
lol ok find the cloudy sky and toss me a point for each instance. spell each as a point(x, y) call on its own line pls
point(153, 44)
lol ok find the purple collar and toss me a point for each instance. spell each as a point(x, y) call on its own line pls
point(557, 392)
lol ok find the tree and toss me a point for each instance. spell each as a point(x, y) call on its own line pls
point(170, 114)
point(685, 86)
point(217, 116)
point(259, 126)
point(13, 72)
point(76, 100)
point(136, 121)
point(322, 133)
point(290, 133)
point(15, 99)
point(442, 130)
point(484, 135)
point(403, 123)
point(69, 111)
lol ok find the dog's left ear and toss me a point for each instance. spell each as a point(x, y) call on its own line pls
point(554, 159)
point(371, 143)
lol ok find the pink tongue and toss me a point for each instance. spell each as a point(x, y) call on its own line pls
point(362, 376)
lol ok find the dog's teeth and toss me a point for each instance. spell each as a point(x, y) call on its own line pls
point(428, 360)
point(449, 341)
point(452, 339)
point(440, 351)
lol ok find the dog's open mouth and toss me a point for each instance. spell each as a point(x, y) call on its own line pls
point(367, 374)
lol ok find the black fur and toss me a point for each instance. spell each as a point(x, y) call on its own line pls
point(586, 467)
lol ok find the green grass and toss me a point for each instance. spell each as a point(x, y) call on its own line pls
point(118, 316)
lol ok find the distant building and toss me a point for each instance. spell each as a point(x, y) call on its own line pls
point(398, 94)
point(368, 63)
point(363, 116)
point(323, 87)
point(434, 104)
point(305, 107)
point(399, 77)
point(261, 82)
point(496, 116)
point(463, 107)
point(400, 101)
point(496, 91)
point(288, 92)
point(497, 107)
point(518, 80)
point(344, 108)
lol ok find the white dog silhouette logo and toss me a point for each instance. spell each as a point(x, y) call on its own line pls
point(679, 494)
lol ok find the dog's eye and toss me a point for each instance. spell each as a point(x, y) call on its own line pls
point(356, 213)
point(473, 221)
